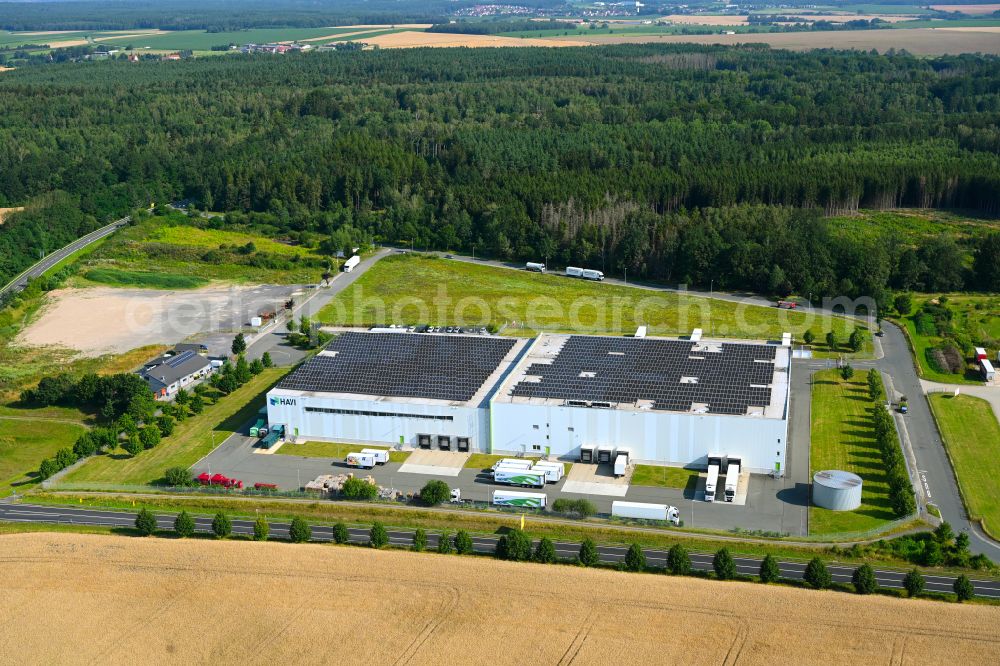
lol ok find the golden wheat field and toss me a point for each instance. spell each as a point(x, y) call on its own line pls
point(105, 599)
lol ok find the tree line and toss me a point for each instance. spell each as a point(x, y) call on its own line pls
point(621, 157)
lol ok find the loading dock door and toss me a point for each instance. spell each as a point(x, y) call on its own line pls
point(586, 454)
point(444, 442)
point(463, 444)
point(603, 456)
point(424, 441)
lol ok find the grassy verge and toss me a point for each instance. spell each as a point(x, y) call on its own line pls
point(919, 345)
point(142, 279)
point(664, 477)
point(415, 289)
point(843, 437)
point(334, 450)
point(24, 444)
point(352, 514)
point(972, 435)
point(191, 440)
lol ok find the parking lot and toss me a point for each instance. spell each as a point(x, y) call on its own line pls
point(764, 509)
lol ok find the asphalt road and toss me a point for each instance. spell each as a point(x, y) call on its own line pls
point(21, 281)
point(481, 544)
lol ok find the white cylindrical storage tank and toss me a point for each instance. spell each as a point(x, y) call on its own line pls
point(837, 490)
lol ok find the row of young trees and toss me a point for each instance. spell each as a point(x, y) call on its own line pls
point(516, 545)
point(616, 157)
point(887, 440)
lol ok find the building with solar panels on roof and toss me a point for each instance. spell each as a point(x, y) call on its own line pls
point(176, 369)
point(413, 389)
point(661, 401)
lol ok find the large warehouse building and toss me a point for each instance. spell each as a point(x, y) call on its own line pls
point(664, 401)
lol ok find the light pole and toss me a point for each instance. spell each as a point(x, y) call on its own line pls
point(473, 251)
point(711, 286)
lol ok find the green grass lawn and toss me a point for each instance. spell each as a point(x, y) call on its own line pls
point(911, 226)
point(143, 279)
point(192, 439)
point(24, 444)
point(334, 450)
point(971, 433)
point(843, 438)
point(411, 289)
point(664, 477)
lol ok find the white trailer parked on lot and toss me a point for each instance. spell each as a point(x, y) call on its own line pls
point(621, 464)
point(552, 474)
point(558, 467)
point(512, 463)
point(645, 511)
point(514, 498)
point(520, 477)
point(362, 460)
point(351, 263)
point(713, 479)
point(531, 266)
point(732, 479)
point(381, 455)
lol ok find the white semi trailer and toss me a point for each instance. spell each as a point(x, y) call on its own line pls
point(512, 463)
point(621, 464)
point(713, 479)
point(531, 266)
point(351, 263)
point(558, 468)
point(585, 273)
point(645, 511)
point(362, 460)
point(381, 455)
point(552, 474)
point(732, 479)
point(520, 477)
point(514, 498)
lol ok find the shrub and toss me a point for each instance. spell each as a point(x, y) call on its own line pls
point(85, 445)
point(903, 304)
point(514, 546)
point(166, 425)
point(444, 543)
point(817, 575)
point(359, 489)
point(769, 571)
point(184, 525)
point(635, 559)
point(419, 540)
point(678, 560)
point(299, 531)
point(221, 525)
point(545, 551)
point(463, 543)
point(580, 507)
point(435, 492)
point(963, 588)
point(340, 534)
point(47, 468)
point(913, 583)
point(65, 458)
point(808, 337)
point(589, 557)
point(261, 529)
point(723, 564)
point(377, 536)
point(145, 522)
point(847, 372)
point(178, 477)
point(863, 579)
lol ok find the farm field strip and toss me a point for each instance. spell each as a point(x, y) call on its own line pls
point(164, 585)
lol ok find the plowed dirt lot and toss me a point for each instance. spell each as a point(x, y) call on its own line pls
point(106, 599)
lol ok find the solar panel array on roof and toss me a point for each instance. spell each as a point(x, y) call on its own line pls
point(665, 372)
point(440, 367)
point(175, 361)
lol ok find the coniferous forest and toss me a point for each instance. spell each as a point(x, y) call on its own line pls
point(683, 163)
